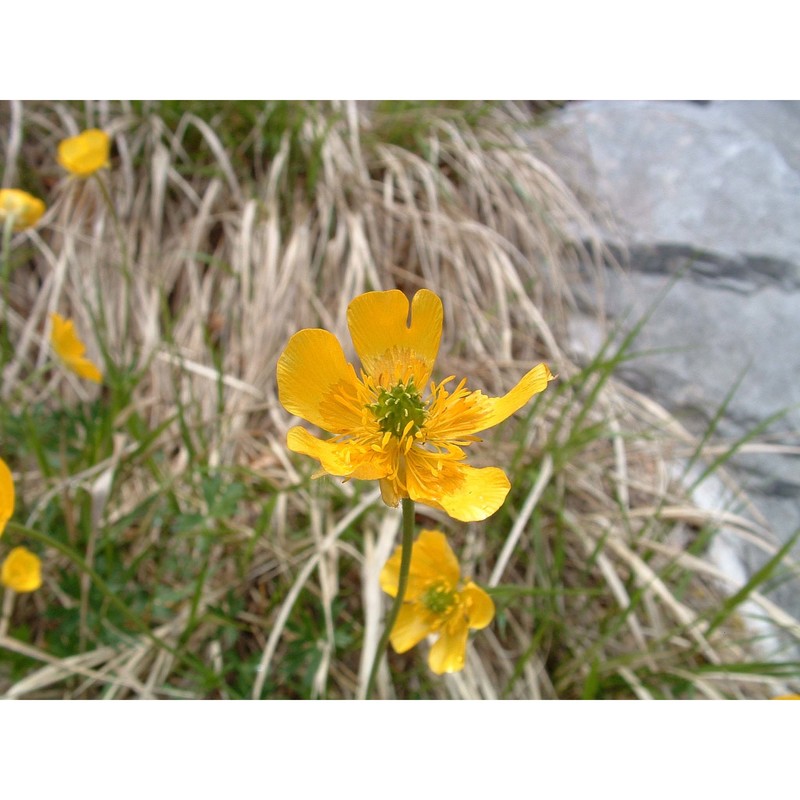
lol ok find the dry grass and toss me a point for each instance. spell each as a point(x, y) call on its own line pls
point(229, 236)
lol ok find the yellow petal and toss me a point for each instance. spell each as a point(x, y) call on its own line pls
point(432, 560)
point(23, 207)
point(6, 495)
point(84, 154)
point(85, 369)
point(343, 459)
point(464, 493)
point(389, 347)
point(315, 382)
point(70, 349)
point(478, 606)
point(64, 339)
point(413, 624)
point(449, 651)
point(389, 493)
point(21, 571)
point(500, 408)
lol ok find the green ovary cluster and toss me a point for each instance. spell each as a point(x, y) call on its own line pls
point(399, 410)
point(438, 598)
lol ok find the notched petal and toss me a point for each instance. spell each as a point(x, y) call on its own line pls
point(385, 340)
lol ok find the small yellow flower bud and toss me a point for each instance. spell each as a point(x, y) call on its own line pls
point(23, 208)
point(21, 571)
point(84, 154)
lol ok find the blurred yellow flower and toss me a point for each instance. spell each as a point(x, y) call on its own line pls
point(385, 426)
point(436, 601)
point(70, 349)
point(84, 154)
point(23, 207)
point(21, 571)
point(6, 495)
point(787, 697)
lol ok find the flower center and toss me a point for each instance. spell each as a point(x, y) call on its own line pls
point(400, 410)
point(438, 598)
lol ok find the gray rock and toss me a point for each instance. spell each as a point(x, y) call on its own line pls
point(722, 177)
point(705, 198)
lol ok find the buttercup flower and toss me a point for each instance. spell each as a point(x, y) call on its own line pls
point(84, 154)
point(6, 495)
point(70, 349)
point(436, 602)
point(386, 427)
point(23, 207)
point(21, 571)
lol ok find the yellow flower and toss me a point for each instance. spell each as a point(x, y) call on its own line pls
point(21, 571)
point(70, 349)
point(386, 427)
point(436, 602)
point(84, 154)
point(787, 697)
point(6, 495)
point(23, 207)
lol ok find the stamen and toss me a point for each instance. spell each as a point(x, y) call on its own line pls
point(439, 598)
point(399, 411)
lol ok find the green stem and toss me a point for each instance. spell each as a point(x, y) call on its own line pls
point(402, 582)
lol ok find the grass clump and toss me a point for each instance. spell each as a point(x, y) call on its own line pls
point(186, 554)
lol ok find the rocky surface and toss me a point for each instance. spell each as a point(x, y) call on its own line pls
point(705, 200)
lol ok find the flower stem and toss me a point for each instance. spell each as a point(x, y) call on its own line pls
point(402, 582)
